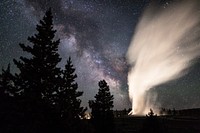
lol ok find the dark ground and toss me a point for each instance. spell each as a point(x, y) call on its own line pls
point(188, 121)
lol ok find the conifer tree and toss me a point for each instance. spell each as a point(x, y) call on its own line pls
point(39, 73)
point(49, 95)
point(5, 82)
point(5, 89)
point(67, 97)
point(151, 124)
point(102, 113)
point(8, 104)
point(37, 78)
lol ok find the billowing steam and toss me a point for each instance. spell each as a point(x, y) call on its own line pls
point(163, 47)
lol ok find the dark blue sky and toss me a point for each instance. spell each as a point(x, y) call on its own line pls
point(96, 34)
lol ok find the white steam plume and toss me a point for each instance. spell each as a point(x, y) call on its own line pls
point(161, 50)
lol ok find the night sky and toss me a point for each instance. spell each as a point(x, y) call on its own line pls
point(96, 34)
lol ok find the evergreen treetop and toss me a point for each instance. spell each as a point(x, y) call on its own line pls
point(68, 102)
point(6, 82)
point(48, 99)
point(38, 73)
point(102, 113)
point(104, 99)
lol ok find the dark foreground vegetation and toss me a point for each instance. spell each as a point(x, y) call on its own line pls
point(43, 98)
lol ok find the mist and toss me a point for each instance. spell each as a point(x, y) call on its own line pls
point(163, 48)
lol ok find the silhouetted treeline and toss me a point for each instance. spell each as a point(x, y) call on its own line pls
point(122, 113)
point(42, 97)
point(164, 111)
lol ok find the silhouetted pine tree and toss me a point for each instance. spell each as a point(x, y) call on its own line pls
point(67, 102)
point(38, 76)
point(102, 113)
point(8, 104)
point(152, 124)
point(6, 85)
point(4, 99)
point(39, 73)
point(48, 96)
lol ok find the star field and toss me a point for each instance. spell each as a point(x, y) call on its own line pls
point(96, 34)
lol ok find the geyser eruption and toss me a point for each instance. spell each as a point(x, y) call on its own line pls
point(164, 44)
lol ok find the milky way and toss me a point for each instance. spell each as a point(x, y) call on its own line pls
point(96, 34)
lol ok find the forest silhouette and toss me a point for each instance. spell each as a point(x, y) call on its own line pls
point(42, 97)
